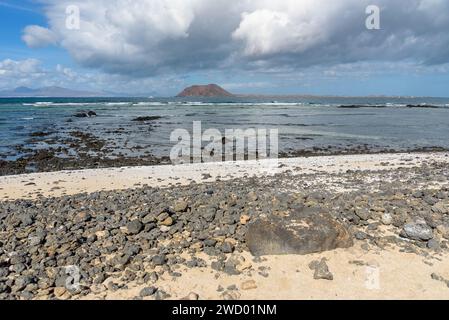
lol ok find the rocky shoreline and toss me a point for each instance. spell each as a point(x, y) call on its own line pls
point(81, 143)
point(147, 237)
point(91, 153)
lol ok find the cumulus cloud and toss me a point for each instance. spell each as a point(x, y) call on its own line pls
point(37, 36)
point(32, 73)
point(20, 72)
point(13, 68)
point(149, 37)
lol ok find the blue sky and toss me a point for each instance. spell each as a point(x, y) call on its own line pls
point(157, 47)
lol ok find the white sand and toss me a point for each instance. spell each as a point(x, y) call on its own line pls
point(358, 274)
point(73, 182)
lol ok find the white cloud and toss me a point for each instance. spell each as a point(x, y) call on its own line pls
point(37, 36)
point(148, 37)
point(15, 68)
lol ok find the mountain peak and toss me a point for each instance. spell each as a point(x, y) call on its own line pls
point(210, 90)
point(23, 89)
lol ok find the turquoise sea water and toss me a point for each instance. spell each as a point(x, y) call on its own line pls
point(303, 123)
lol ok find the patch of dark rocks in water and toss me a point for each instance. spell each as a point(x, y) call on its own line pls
point(90, 152)
point(85, 114)
point(142, 234)
point(146, 118)
point(354, 150)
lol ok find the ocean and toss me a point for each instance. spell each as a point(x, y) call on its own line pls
point(305, 124)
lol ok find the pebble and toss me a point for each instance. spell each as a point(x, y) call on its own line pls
point(321, 270)
point(167, 222)
point(192, 296)
point(134, 227)
point(148, 291)
point(159, 260)
point(59, 292)
point(248, 285)
point(244, 219)
point(387, 219)
point(181, 206)
point(418, 231)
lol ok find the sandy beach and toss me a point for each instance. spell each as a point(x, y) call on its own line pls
point(165, 232)
point(54, 184)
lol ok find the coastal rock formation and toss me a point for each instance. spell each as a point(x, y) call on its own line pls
point(211, 90)
point(299, 233)
point(146, 118)
point(85, 114)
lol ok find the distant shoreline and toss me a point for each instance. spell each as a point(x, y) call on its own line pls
point(239, 96)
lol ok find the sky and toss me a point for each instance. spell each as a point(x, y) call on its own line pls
point(158, 47)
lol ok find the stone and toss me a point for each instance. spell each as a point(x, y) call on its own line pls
point(243, 265)
point(146, 118)
point(248, 285)
point(59, 292)
point(387, 219)
point(22, 281)
point(297, 234)
point(210, 242)
point(34, 241)
point(230, 269)
point(443, 229)
point(217, 265)
point(441, 207)
point(134, 227)
point(167, 222)
point(161, 295)
point(159, 260)
point(181, 206)
point(433, 244)
point(244, 219)
point(363, 213)
point(417, 231)
point(82, 217)
point(321, 270)
point(227, 247)
point(359, 235)
point(192, 296)
point(148, 291)
point(231, 295)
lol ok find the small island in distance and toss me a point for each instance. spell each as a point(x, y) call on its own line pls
point(210, 90)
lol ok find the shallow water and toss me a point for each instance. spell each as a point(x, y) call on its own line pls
point(303, 123)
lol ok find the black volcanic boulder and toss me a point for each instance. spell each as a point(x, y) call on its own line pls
point(298, 233)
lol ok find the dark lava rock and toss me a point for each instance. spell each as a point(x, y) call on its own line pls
point(417, 231)
point(148, 291)
point(297, 234)
point(227, 247)
point(217, 265)
point(85, 114)
point(143, 119)
point(159, 260)
point(40, 134)
point(134, 227)
point(360, 235)
point(321, 270)
point(162, 295)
